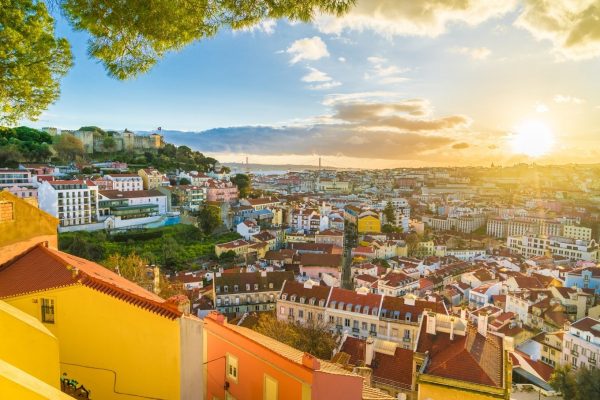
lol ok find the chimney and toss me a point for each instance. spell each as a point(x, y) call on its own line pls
point(509, 343)
point(369, 350)
point(452, 328)
point(482, 323)
point(156, 282)
point(430, 323)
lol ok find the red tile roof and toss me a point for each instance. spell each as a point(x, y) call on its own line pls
point(351, 297)
point(320, 260)
point(471, 358)
point(396, 368)
point(41, 268)
point(407, 312)
point(292, 287)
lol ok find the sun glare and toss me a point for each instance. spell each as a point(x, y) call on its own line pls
point(532, 138)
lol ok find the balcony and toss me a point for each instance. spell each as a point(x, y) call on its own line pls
point(592, 361)
point(574, 353)
point(355, 330)
point(406, 339)
point(373, 333)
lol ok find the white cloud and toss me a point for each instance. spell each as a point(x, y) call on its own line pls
point(384, 73)
point(541, 107)
point(324, 80)
point(562, 99)
point(422, 18)
point(307, 49)
point(266, 26)
point(325, 85)
point(476, 53)
point(573, 27)
point(342, 59)
point(315, 75)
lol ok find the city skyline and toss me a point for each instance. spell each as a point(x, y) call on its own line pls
point(378, 88)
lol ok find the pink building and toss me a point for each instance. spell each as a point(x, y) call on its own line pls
point(221, 191)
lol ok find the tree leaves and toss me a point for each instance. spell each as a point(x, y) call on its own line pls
point(32, 60)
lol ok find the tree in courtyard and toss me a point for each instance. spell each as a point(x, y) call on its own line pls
point(32, 60)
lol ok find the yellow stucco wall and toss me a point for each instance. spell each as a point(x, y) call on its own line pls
point(27, 227)
point(436, 392)
point(29, 365)
point(28, 345)
point(100, 334)
point(369, 224)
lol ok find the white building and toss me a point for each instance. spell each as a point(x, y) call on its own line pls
point(73, 202)
point(132, 204)
point(531, 246)
point(126, 182)
point(248, 228)
point(577, 232)
point(581, 344)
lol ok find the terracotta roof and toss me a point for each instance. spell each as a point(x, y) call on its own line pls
point(317, 292)
point(471, 358)
point(396, 368)
point(396, 279)
point(366, 278)
point(522, 360)
point(331, 232)
point(241, 279)
point(320, 260)
point(355, 348)
point(345, 296)
point(588, 324)
point(233, 244)
point(312, 247)
point(397, 308)
point(41, 268)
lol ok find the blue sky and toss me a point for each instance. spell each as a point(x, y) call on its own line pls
point(484, 71)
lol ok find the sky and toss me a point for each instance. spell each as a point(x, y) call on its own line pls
point(393, 83)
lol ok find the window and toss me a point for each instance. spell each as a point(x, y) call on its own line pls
point(300, 313)
point(48, 311)
point(346, 322)
point(309, 316)
point(282, 310)
point(270, 388)
point(232, 367)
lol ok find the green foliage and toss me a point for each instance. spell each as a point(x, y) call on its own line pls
point(94, 129)
point(109, 143)
point(32, 60)
point(173, 247)
point(227, 256)
point(129, 37)
point(209, 219)
point(184, 181)
point(389, 213)
point(582, 384)
point(68, 147)
point(23, 144)
point(313, 336)
point(388, 228)
point(242, 181)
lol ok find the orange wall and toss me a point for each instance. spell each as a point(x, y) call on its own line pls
point(254, 361)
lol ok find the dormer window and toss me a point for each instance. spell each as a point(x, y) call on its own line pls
point(321, 303)
point(408, 317)
point(236, 288)
point(332, 304)
point(302, 300)
point(349, 307)
point(284, 296)
point(357, 308)
point(341, 305)
point(270, 285)
point(374, 312)
point(247, 287)
point(312, 301)
point(293, 298)
point(366, 310)
point(226, 289)
point(256, 286)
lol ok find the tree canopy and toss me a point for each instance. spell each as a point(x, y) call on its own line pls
point(127, 37)
point(32, 60)
point(582, 384)
point(242, 181)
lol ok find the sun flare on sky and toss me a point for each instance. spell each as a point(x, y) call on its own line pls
point(532, 138)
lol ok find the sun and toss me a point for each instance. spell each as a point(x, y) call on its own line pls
point(532, 138)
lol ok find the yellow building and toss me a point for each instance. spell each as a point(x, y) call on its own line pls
point(369, 221)
point(22, 225)
point(152, 178)
point(240, 247)
point(117, 339)
point(33, 374)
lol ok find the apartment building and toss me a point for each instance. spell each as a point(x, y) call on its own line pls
point(221, 191)
point(573, 249)
point(152, 178)
point(132, 204)
point(581, 344)
point(577, 232)
point(73, 202)
point(18, 182)
point(237, 293)
point(125, 182)
point(587, 278)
